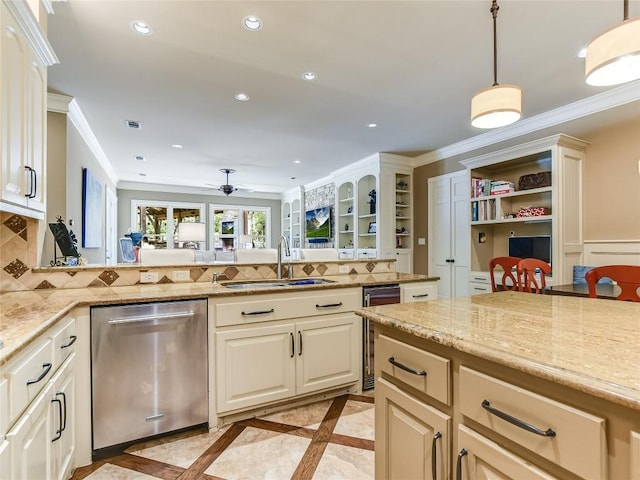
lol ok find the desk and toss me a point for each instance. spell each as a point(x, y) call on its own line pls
point(603, 290)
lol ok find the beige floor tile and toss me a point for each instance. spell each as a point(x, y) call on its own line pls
point(356, 420)
point(113, 472)
point(181, 452)
point(257, 454)
point(345, 463)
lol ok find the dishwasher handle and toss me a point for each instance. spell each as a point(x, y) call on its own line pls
point(155, 316)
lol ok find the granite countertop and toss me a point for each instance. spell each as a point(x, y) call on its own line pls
point(590, 345)
point(26, 315)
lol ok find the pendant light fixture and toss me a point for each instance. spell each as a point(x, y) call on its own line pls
point(498, 105)
point(614, 57)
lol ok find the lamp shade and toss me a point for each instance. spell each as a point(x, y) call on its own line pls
point(614, 57)
point(192, 232)
point(496, 106)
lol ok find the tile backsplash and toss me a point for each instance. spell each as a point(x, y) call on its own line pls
point(18, 259)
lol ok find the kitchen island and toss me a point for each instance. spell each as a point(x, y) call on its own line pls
point(454, 377)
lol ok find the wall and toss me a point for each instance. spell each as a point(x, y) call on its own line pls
point(611, 183)
point(56, 178)
point(125, 222)
point(611, 170)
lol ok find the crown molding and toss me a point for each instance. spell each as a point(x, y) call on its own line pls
point(597, 103)
point(80, 122)
point(188, 190)
point(29, 25)
point(58, 103)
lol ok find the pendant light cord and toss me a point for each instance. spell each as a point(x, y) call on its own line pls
point(494, 14)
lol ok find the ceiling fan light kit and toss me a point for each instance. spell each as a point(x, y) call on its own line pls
point(498, 105)
point(614, 57)
point(226, 188)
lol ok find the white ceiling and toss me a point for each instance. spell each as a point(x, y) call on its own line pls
point(411, 67)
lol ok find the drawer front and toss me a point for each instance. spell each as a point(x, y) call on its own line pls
point(27, 375)
point(432, 372)
point(579, 444)
point(479, 288)
point(480, 277)
point(63, 339)
point(419, 292)
point(264, 308)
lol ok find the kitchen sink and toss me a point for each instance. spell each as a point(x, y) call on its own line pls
point(280, 283)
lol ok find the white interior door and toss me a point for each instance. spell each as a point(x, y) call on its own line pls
point(440, 233)
point(460, 241)
point(111, 229)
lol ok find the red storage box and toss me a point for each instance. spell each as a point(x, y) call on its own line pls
point(532, 212)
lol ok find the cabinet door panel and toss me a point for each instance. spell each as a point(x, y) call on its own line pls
point(63, 449)
point(36, 132)
point(30, 440)
point(327, 352)
point(254, 366)
point(406, 432)
point(485, 460)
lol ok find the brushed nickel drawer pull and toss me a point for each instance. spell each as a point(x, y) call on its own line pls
point(516, 421)
point(434, 455)
point(329, 305)
point(258, 312)
point(392, 361)
point(420, 296)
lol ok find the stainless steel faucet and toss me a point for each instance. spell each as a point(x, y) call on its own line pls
point(216, 276)
point(287, 253)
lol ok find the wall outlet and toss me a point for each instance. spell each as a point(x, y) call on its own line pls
point(422, 241)
point(343, 268)
point(148, 277)
point(180, 275)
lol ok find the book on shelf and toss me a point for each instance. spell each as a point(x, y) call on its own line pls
point(480, 187)
point(501, 187)
point(474, 211)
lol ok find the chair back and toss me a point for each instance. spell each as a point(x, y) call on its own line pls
point(626, 276)
point(507, 264)
point(527, 275)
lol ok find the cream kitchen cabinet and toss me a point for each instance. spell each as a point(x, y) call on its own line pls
point(496, 428)
point(279, 346)
point(25, 55)
point(40, 410)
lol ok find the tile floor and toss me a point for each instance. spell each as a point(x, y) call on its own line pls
point(327, 440)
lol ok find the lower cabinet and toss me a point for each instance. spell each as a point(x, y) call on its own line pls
point(263, 363)
point(63, 437)
point(480, 459)
point(412, 438)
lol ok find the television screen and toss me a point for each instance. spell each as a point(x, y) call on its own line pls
point(228, 228)
point(531, 247)
point(318, 223)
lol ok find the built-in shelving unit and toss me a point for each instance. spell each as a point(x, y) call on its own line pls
point(292, 220)
point(553, 210)
point(345, 223)
point(367, 217)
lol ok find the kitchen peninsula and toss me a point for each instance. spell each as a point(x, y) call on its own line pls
point(511, 385)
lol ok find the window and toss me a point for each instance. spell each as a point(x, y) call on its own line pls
point(158, 221)
point(234, 227)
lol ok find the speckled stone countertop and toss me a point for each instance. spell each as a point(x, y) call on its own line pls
point(25, 315)
point(587, 344)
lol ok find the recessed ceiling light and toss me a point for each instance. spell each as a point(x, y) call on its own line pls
point(372, 125)
point(292, 178)
point(142, 174)
point(296, 161)
point(177, 145)
point(243, 97)
point(142, 28)
point(309, 76)
point(582, 53)
point(139, 158)
point(252, 23)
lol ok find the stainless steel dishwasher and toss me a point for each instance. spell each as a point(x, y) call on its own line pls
point(148, 370)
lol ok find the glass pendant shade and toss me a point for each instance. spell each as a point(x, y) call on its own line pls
point(614, 57)
point(496, 106)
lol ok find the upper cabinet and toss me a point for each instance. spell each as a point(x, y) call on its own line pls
point(25, 55)
point(532, 190)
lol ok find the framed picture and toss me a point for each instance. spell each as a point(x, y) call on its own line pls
point(228, 228)
point(92, 207)
point(372, 227)
point(318, 223)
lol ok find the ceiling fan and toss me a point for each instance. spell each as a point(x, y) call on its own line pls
point(228, 189)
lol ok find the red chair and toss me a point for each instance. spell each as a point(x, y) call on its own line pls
point(626, 276)
point(507, 264)
point(527, 275)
